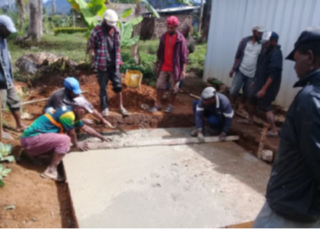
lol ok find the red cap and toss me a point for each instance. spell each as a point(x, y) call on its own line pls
point(173, 21)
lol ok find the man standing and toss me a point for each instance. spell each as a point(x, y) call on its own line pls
point(245, 65)
point(293, 192)
point(267, 82)
point(216, 109)
point(172, 59)
point(46, 135)
point(66, 95)
point(8, 92)
point(105, 42)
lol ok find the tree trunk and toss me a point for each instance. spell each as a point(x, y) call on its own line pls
point(201, 16)
point(53, 7)
point(206, 25)
point(135, 48)
point(35, 20)
point(20, 4)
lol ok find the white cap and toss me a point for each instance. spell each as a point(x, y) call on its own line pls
point(82, 102)
point(258, 29)
point(111, 17)
point(208, 93)
point(8, 23)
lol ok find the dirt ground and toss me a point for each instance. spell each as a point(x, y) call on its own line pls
point(43, 203)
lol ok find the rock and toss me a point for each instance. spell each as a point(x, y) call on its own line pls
point(267, 155)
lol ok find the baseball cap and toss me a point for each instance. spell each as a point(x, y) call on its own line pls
point(8, 23)
point(111, 17)
point(208, 93)
point(258, 29)
point(269, 35)
point(310, 35)
point(172, 21)
point(82, 102)
point(73, 85)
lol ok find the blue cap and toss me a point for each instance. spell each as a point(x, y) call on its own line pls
point(73, 85)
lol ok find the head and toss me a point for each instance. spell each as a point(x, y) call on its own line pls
point(72, 87)
point(257, 32)
point(81, 107)
point(208, 96)
point(6, 26)
point(186, 31)
point(110, 18)
point(306, 53)
point(271, 39)
point(172, 25)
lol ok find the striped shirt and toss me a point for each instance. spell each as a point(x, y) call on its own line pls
point(98, 43)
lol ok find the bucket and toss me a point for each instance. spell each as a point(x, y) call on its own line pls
point(133, 78)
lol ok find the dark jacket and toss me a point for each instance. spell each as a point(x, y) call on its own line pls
point(294, 187)
point(269, 65)
point(6, 76)
point(222, 109)
point(240, 51)
point(180, 56)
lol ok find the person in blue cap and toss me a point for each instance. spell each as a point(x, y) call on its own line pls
point(9, 94)
point(66, 95)
point(293, 192)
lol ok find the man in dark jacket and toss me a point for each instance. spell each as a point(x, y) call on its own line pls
point(8, 92)
point(267, 82)
point(216, 109)
point(245, 65)
point(293, 193)
point(172, 59)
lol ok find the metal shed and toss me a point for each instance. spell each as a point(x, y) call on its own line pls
point(232, 20)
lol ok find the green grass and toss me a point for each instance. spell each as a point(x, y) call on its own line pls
point(70, 45)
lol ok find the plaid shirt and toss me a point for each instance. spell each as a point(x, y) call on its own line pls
point(98, 43)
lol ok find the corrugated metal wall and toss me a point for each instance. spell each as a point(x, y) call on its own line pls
point(232, 20)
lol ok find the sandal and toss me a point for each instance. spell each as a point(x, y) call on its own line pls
point(169, 109)
point(124, 112)
point(155, 109)
point(51, 177)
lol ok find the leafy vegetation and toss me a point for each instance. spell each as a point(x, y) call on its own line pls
point(69, 30)
point(5, 151)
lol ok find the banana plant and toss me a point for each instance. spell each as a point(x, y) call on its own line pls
point(126, 30)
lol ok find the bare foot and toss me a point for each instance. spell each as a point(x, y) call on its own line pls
point(245, 121)
point(21, 128)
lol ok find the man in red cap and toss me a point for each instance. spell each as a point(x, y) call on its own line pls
point(172, 59)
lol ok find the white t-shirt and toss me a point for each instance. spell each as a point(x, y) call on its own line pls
point(248, 65)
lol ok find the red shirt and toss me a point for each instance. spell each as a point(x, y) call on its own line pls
point(168, 53)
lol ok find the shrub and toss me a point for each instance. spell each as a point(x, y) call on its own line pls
point(69, 30)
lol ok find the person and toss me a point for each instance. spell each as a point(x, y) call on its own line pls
point(245, 65)
point(46, 134)
point(65, 96)
point(267, 82)
point(293, 192)
point(172, 57)
point(105, 42)
point(217, 110)
point(9, 94)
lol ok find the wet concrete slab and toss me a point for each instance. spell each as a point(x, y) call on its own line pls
point(203, 185)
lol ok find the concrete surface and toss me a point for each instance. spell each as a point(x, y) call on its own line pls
point(205, 185)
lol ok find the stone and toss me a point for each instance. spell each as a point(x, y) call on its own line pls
point(267, 155)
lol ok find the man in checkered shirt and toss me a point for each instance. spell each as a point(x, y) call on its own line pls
point(105, 42)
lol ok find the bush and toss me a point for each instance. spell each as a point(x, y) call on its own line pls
point(69, 30)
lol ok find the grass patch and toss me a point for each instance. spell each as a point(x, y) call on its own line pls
point(197, 59)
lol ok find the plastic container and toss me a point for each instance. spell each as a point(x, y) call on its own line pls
point(133, 78)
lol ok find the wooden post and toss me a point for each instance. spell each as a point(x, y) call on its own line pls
point(262, 139)
point(1, 117)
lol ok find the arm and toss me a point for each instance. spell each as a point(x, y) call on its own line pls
point(99, 116)
point(199, 111)
point(93, 41)
point(94, 133)
point(237, 57)
point(228, 114)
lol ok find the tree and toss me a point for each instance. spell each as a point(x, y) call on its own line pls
point(53, 7)
point(35, 20)
point(21, 4)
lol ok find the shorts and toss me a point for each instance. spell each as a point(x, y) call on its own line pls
point(113, 76)
point(46, 143)
point(263, 104)
point(165, 78)
point(267, 218)
point(240, 80)
point(11, 98)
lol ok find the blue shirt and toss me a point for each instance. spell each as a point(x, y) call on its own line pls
point(5, 65)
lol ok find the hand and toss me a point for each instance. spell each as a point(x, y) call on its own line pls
point(105, 139)
point(252, 85)
point(231, 73)
point(88, 121)
point(183, 75)
point(222, 137)
point(107, 124)
point(261, 93)
point(200, 136)
point(82, 146)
